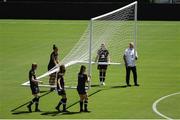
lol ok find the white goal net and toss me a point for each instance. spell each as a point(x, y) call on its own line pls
point(116, 29)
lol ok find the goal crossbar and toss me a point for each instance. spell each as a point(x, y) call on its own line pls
point(104, 15)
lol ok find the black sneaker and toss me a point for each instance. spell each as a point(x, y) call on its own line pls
point(29, 108)
point(86, 110)
point(136, 85)
point(37, 110)
point(128, 85)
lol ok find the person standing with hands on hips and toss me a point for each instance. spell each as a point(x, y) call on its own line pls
point(130, 57)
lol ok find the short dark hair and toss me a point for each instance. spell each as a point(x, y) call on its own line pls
point(33, 65)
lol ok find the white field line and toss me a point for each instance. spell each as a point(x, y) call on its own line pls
point(42, 22)
point(154, 106)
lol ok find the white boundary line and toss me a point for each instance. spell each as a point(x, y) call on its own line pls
point(157, 101)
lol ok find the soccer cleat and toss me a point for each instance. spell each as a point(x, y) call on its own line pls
point(37, 110)
point(29, 108)
point(86, 110)
point(128, 85)
point(136, 85)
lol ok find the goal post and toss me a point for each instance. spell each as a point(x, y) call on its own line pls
point(116, 29)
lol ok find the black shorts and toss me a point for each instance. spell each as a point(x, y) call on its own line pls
point(81, 91)
point(61, 92)
point(99, 67)
point(34, 89)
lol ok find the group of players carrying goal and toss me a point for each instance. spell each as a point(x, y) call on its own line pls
point(57, 78)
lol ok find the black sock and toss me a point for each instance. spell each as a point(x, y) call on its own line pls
point(60, 102)
point(81, 105)
point(64, 107)
point(85, 105)
point(64, 104)
point(30, 103)
point(36, 106)
point(104, 76)
point(36, 103)
point(33, 100)
point(100, 76)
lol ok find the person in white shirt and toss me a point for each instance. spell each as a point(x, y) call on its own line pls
point(130, 57)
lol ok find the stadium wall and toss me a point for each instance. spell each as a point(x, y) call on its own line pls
point(83, 10)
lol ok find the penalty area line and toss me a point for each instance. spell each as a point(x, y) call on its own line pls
point(154, 106)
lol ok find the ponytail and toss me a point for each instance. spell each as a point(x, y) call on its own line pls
point(54, 47)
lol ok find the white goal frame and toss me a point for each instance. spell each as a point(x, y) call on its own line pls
point(91, 34)
point(89, 61)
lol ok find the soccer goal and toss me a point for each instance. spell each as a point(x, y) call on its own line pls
point(115, 29)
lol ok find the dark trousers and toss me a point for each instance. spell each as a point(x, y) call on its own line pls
point(128, 70)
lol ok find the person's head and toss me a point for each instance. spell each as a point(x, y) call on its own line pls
point(34, 66)
point(82, 69)
point(131, 45)
point(62, 68)
point(55, 48)
point(103, 46)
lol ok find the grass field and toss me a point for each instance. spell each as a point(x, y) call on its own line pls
point(25, 41)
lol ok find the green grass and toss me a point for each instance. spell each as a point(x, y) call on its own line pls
point(25, 41)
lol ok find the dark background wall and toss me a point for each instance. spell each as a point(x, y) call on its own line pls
point(83, 9)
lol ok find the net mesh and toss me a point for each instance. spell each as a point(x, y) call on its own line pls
point(115, 29)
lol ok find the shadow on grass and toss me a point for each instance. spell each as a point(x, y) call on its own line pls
point(108, 87)
point(47, 92)
point(94, 85)
point(55, 113)
point(21, 112)
point(122, 86)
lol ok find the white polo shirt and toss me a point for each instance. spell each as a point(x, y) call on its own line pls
point(130, 57)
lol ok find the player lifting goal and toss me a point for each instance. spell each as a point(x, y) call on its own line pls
point(52, 63)
point(34, 88)
point(61, 89)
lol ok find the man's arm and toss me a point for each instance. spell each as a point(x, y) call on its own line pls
point(136, 56)
point(125, 61)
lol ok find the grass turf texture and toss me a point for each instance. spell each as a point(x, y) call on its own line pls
point(25, 41)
